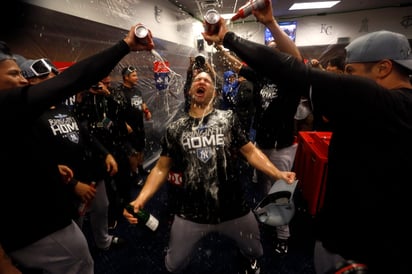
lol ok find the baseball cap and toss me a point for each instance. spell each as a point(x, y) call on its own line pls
point(277, 208)
point(379, 45)
point(227, 74)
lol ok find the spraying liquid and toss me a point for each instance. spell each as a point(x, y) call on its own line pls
point(173, 75)
point(141, 32)
point(159, 57)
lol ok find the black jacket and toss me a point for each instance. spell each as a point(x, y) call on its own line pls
point(32, 195)
point(366, 206)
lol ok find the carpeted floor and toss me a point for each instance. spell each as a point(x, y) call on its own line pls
point(145, 250)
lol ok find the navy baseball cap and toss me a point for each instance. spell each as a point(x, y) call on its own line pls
point(277, 208)
point(379, 45)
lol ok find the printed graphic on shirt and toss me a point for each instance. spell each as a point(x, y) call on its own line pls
point(136, 102)
point(65, 126)
point(204, 144)
point(267, 94)
point(175, 178)
point(70, 101)
point(203, 148)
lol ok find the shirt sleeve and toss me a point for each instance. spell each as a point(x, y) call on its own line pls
point(33, 100)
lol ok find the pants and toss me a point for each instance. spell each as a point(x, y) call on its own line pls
point(283, 159)
point(64, 251)
point(98, 213)
point(185, 235)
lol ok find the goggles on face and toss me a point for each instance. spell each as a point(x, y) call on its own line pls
point(42, 67)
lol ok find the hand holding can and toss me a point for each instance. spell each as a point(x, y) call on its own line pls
point(142, 34)
point(216, 34)
point(211, 21)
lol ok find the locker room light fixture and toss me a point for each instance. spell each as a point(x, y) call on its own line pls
point(313, 5)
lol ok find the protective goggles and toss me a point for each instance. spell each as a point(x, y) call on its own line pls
point(41, 68)
point(129, 70)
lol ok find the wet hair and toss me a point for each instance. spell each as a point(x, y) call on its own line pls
point(211, 75)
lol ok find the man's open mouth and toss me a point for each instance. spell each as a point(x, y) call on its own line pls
point(200, 91)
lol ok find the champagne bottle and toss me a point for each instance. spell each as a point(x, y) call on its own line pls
point(144, 217)
point(246, 10)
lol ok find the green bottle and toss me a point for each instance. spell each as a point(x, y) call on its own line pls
point(144, 217)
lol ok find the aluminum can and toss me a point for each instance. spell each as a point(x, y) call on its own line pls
point(212, 18)
point(141, 32)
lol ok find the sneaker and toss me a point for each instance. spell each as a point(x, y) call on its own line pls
point(112, 225)
point(247, 266)
point(253, 267)
point(116, 243)
point(282, 247)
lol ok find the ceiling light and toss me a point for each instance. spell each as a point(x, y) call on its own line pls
point(313, 5)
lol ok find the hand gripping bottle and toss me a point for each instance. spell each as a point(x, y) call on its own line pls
point(246, 10)
point(144, 217)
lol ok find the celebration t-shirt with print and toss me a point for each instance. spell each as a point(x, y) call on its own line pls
point(207, 150)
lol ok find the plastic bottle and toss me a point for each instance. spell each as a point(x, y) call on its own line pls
point(212, 18)
point(85, 205)
point(144, 217)
point(246, 10)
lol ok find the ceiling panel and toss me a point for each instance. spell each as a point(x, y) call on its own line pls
point(197, 8)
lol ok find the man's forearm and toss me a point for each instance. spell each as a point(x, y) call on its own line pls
point(284, 43)
point(6, 265)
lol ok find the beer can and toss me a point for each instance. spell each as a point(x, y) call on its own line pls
point(141, 32)
point(212, 18)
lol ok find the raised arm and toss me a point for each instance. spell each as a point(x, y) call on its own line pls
point(6, 265)
point(283, 42)
point(79, 76)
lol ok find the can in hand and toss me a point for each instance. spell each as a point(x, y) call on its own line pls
point(212, 18)
point(141, 33)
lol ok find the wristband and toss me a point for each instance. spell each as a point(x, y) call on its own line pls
point(146, 111)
